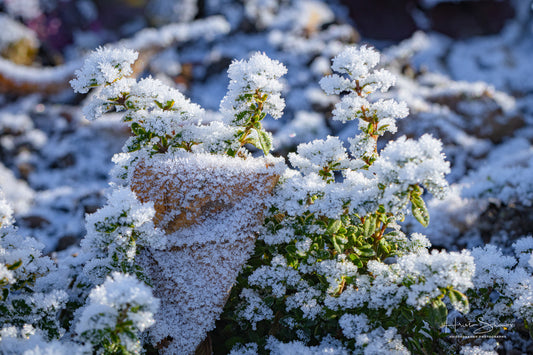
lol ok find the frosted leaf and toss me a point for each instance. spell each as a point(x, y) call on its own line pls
point(328, 345)
point(115, 230)
point(104, 100)
point(305, 300)
point(390, 109)
point(277, 276)
point(246, 349)
point(484, 349)
point(406, 162)
point(148, 91)
point(350, 108)
point(362, 145)
point(381, 341)
point(27, 340)
point(492, 267)
point(381, 79)
point(415, 280)
point(353, 324)
point(254, 310)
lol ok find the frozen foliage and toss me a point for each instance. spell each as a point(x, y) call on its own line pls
point(415, 279)
point(162, 119)
point(115, 313)
point(314, 156)
point(116, 231)
point(504, 280)
point(332, 229)
point(259, 75)
point(331, 252)
point(253, 92)
point(103, 67)
point(29, 341)
point(209, 206)
point(359, 79)
point(25, 300)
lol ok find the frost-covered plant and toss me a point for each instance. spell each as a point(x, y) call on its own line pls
point(116, 232)
point(331, 259)
point(162, 119)
point(162, 122)
point(254, 91)
point(503, 287)
point(27, 298)
point(117, 311)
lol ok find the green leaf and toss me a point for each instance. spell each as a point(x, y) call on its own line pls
point(169, 104)
point(15, 265)
point(159, 104)
point(384, 246)
point(334, 226)
point(357, 262)
point(265, 141)
point(336, 245)
point(419, 209)
point(369, 227)
point(367, 252)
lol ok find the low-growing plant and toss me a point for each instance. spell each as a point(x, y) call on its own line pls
point(331, 260)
